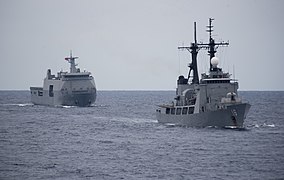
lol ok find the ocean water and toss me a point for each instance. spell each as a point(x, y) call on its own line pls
point(119, 138)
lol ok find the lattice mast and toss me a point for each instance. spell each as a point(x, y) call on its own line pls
point(212, 45)
point(71, 60)
point(195, 47)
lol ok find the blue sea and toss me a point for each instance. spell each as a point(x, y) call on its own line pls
point(120, 138)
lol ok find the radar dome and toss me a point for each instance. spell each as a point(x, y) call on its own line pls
point(215, 61)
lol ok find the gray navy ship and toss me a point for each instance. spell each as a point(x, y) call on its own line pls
point(74, 88)
point(211, 101)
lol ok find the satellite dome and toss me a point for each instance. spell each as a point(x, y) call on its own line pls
point(215, 61)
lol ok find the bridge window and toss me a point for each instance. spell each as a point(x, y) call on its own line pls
point(167, 110)
point(40, 93)
point(178, 111)
point(173, 110)
point(217, 81)
point(190, 110)
point(184, 110)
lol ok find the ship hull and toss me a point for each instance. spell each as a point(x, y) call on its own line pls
point(231, 116)
point(82, 99)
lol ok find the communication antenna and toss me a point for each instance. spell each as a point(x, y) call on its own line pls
point(212, 45)
point(179, 62)
point(234, 78)
point(195, 41)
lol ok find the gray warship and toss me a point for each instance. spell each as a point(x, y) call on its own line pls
point(74, 88)
point(211, 101)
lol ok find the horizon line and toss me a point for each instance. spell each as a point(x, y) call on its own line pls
point(149, 90)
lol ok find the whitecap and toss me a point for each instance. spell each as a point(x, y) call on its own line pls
point(268, 125)
point(170, 125)
point(20, 105)
point(271, 125)
point(256, 126)
point(68, 106)
point(23, 105)
point(99, 105)
point(231, 127)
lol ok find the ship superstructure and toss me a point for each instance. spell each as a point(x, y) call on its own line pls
point(210, 101)
point(74, 88)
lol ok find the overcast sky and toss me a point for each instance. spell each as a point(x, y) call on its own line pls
point(132, 44)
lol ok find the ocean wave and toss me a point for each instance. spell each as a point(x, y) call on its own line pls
point(68, 106)
point(19, 105)
point(262, 125)
point(170, 125)
point(99, 105)
point(133, 120)
point(93, 105)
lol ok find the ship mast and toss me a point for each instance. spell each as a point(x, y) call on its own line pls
point(212, 45)
point(71, 60)
point(195, 47)
point(193, 65)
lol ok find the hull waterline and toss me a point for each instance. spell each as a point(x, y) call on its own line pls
point(233, 116)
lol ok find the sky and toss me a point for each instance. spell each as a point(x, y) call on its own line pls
point(132, 44)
